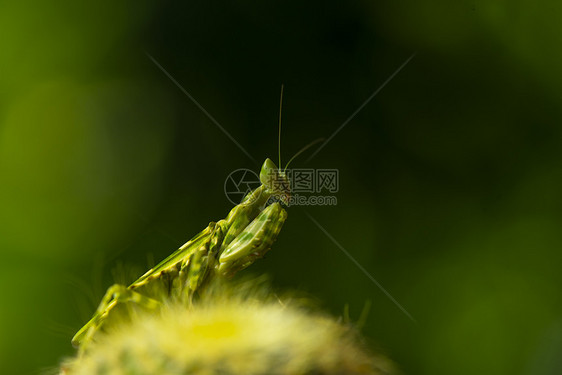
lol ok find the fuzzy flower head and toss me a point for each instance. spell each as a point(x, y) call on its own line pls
point(229, 334)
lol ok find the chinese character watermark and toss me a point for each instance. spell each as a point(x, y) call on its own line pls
point(292, 187)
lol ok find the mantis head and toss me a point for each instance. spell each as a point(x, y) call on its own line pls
point(275, 180)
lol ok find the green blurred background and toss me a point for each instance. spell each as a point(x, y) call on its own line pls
point(450, 179)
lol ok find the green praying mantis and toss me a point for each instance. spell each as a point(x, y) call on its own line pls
point(221, 249)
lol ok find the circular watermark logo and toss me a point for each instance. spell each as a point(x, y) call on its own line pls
point(239, 183)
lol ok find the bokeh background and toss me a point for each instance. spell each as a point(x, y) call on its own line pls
point(450, 178)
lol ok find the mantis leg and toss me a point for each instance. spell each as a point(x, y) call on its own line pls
point(116, 294)
point(254, 241)
point(195, 270)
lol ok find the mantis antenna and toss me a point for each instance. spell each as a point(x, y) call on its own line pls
point(279, 137)
point(303, 150)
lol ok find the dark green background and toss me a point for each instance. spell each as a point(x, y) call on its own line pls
point(450, 179)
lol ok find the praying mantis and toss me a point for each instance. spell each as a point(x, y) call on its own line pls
point(221, 249)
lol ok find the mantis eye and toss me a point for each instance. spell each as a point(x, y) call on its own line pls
point(268, 172)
